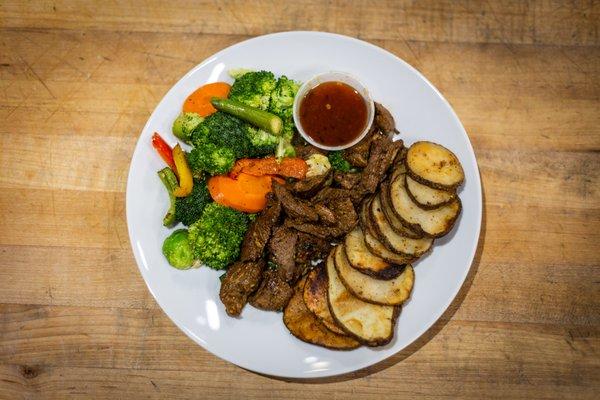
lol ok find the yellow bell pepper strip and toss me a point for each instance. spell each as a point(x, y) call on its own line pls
point(186, 181)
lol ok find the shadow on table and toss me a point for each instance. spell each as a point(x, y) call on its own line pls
point(424, 338)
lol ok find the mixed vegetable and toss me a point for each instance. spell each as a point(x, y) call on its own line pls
point(240, 139)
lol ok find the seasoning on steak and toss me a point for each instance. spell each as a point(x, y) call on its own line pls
point(240, 281)
point(347, 180)
point(358, 155)
point(273, 293)
point(384, 119)
point(325, 214)
point(310, 248)
point(345, 214)
point(307, 188)
point(260, 230)
point(381, 158)
point(294, 207)
point(282, 251)
point(327, 194)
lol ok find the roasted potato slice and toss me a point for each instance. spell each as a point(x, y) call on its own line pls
point(391, 239)
point(370, 324)
point(434, 165)
point(315, 297)
point(427, 197)
point(378, 249)
point(359, 255)
point(397, 260)
point(386, 292)
point(306, 326)
point(396, 223)
point(433, 223)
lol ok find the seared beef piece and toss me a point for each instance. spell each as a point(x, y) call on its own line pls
point(325, 214)
point(281, 247)
point(294, 207)
point(358, 155)
point(381, 158)
point(307, 188)
point(346, 221)
point(273, 293)
point(305, 149)
point(327, 194)
point(347, 180)
point(240, 281)
point(260, 230)
point(384, 119)
point(310, 248)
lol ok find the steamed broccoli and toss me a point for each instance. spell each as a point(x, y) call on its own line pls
point(189, 209)
point(254, 89)
point(338, 162)
point(224, 130)
point(282, 98)
point(184, 125)
point(216, 237)
point(177, 250)
point(284, 149)
point(263, 142)
point(208, 157)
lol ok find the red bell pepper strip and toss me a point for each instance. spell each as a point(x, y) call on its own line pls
point(164, 151)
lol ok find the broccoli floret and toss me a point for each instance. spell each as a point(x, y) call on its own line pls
point(178, 251)
point(208, 157)
point(216, 237)
point(338, 162)
point(263, 142)
point(237, 73)
point(285, 149)
point(189, 209)
point(282, 98)
point(226, 131)
point(184, 125)
point(254, 89)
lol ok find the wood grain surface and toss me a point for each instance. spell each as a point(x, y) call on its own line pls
point(78, 79)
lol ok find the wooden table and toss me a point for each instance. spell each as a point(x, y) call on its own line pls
point(78, 81)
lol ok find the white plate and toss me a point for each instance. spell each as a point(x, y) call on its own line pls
point(259, 341)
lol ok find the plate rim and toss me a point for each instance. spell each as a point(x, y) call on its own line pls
point(377, 358)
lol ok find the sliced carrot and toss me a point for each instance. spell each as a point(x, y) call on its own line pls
point(290, 167)
point(247, 193)
point(199, 101)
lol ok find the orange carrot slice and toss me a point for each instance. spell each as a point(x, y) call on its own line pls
point(199, 101)
point(246, 193)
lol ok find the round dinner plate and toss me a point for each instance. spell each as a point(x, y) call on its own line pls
point(258, 340)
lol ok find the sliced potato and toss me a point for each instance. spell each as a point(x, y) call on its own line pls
point(386, 292)
point(398, 260)
point(390, 238)
point(306, 326)
point(434, 165)
point(315, 297)
point(433, 223)
point(370, 324)
point(427, 197)
point(396, 223)
point(359, 255)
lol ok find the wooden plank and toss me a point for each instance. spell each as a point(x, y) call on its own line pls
point(46, 339)
point(545, 97)
point(532, 22)
point(497, 290)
